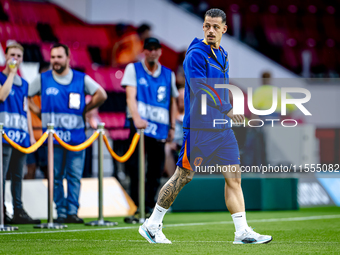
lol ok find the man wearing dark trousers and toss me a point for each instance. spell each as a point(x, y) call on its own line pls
point(63, 92)
point(150, 95)
point(16, 118)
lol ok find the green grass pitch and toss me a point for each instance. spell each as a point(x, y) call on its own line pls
point(307, 231)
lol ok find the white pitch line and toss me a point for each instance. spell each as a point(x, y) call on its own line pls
point(319, 217)
point(174, 241)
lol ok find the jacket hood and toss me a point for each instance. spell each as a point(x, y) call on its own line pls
point(199, 44)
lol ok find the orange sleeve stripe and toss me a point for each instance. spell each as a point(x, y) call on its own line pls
point(186, 163)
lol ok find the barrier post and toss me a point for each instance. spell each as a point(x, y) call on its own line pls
point(100, 221)
point(3, 227)
point(50, 170)
point(141, 177)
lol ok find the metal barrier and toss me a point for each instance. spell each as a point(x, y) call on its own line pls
point(50, 169)
point(100, 221)
point(138, 136)
point(141, 177)
point(49, 134)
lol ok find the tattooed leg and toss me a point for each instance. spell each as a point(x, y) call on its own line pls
point(173, 186)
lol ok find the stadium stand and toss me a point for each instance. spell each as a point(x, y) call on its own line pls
point(38, 24)
point(283, 30)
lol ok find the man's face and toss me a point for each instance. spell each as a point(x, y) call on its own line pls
point(152, 54)
point(15, 53)
point(213, 29)
point(59, 60)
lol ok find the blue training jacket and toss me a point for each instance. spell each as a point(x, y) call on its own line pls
point(13, 113)
point(202, 71)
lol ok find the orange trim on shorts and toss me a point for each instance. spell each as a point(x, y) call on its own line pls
point(185, 160)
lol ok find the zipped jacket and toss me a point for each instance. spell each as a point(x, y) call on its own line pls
point(202, 71)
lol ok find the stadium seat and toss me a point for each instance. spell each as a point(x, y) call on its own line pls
point(113, 120)
point(21, 12)
point(120, 134)
point(169, 58)
point(86, 35)
point(45, 51)
point(3, 14)
point(80, 57)
point(109, 78)
point(280, 21)
point(38, 24)
point(20, 33)
point(329, 57)
point(291, 58)
point(114, 123)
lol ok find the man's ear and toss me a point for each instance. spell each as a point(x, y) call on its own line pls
point(225, 29)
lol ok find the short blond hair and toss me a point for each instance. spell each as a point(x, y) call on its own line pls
point(14, 46)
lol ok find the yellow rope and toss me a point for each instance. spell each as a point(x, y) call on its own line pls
point(79, 147)
point(128, 154)
point(30, 149)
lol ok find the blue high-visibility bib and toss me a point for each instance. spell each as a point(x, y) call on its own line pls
point(13, 113)
point(153, 99)
point(64, 105)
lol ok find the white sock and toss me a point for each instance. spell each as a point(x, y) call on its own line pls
point(240, 221)
point(157, 215)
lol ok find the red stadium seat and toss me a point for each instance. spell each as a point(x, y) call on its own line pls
point(86, 35)
point(169, 58)
point(291, 58)
point(114, 123)
point(120, 134)
point(80, 57)
point(109, 78)
point(329, 57)
point(113, 120)
point(20, 33)
point(275, 37)
point(45, 51)
point(30, 13)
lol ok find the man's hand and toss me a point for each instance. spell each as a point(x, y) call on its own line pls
point(32, 140)
point(140, 123)
point(236, 118)
point(98, 98)
point(171, 135)
point(12, 69)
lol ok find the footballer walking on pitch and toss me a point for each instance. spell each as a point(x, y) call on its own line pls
point(206, 64)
